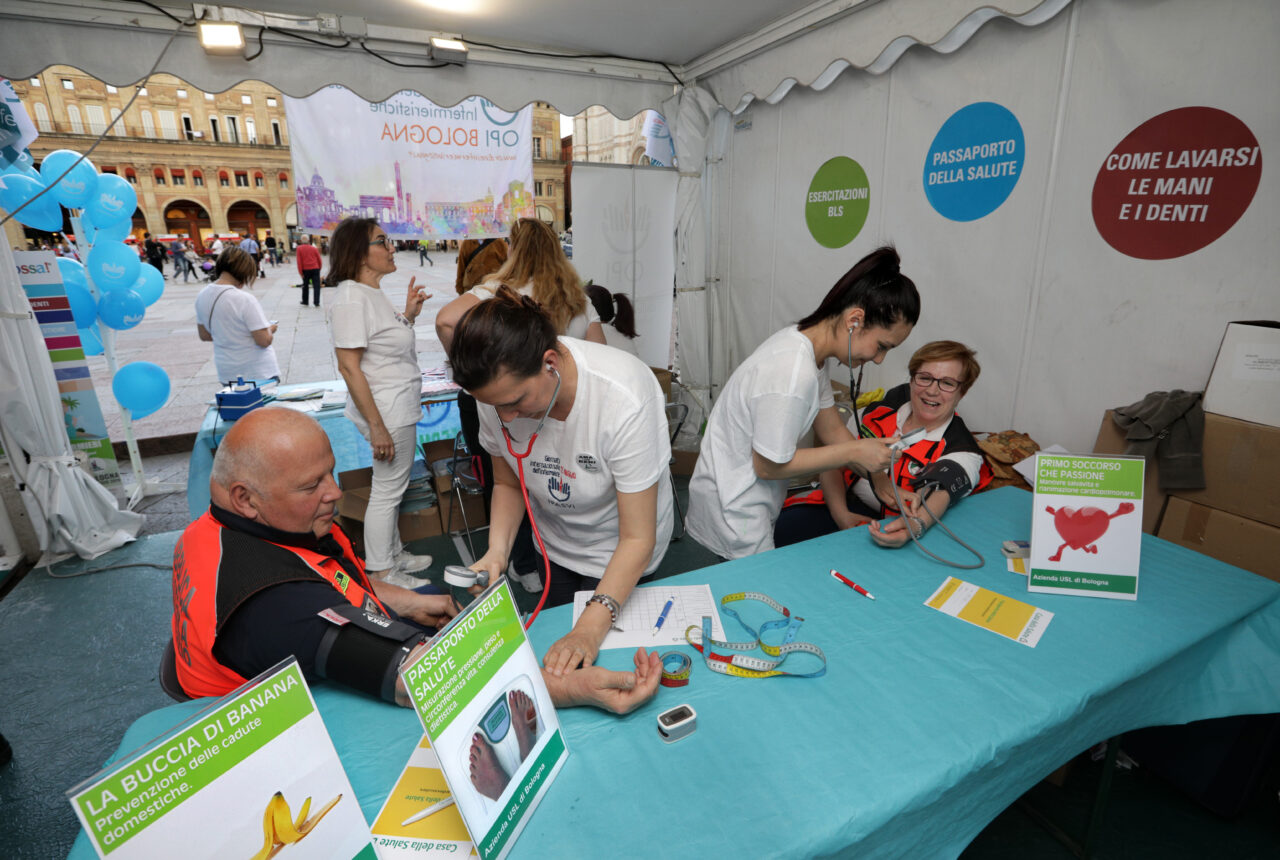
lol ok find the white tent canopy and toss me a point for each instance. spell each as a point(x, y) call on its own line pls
point(740, 48)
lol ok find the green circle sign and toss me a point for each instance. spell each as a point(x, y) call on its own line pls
point(837, 203)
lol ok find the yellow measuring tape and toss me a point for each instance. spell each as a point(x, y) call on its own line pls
point(743, 666)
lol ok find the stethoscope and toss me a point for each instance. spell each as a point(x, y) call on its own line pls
point(524, 489)
point(855, 387)
point(533, 437)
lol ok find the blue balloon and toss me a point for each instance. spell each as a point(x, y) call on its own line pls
point(121, 309)
point(43, 214)
point(72, 272)
point(150, 285)
point(113, 266)
point(113, 200)
point(116, 232)
point(21, 168)
point(91, 340)
point(141, 387)
point(77, 187)
point(83, 308)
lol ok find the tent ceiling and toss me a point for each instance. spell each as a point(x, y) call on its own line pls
point(656, 30)
point(741, 49)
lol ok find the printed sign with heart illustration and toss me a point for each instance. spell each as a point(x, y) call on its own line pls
point(1076, 548)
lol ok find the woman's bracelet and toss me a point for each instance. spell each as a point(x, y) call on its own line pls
point(608, 603)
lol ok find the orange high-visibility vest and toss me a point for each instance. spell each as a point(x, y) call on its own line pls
point(216, 569)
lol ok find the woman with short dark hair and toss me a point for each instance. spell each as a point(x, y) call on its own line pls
point(946, 458)
point(378, 358)
point(749, 451)
point(591, 423)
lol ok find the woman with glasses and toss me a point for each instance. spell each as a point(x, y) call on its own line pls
point(750, 449)
point(583, 427)
point(946, 458)
point(378, 359)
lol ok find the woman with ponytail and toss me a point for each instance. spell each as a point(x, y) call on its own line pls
point(783, 389)
point(617, 318)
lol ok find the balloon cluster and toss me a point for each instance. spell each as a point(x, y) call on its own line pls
point(124, 287)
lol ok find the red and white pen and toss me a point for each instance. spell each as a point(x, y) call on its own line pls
point(849, 582)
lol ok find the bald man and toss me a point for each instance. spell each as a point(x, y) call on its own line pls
point(265, 574)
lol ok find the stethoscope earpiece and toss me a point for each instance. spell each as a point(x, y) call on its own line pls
point(541, 422)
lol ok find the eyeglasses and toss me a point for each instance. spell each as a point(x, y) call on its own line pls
point(384, 241)
point(924, 380)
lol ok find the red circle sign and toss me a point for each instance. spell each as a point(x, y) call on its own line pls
point(1176, 183)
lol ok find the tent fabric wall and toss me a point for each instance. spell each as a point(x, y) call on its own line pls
point(1065, 325)
point(624, 219)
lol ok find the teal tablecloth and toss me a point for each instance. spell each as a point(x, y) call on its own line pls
point(350, 450)
point(923, 729)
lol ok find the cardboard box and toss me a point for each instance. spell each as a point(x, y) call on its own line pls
point(682, 462)
point(442, 480)
point(1241, 469)
point(414, 523)
point(664, 380)
point(1236, 540)
point(472, 504)
point(1245, 382)
point(1111, 441)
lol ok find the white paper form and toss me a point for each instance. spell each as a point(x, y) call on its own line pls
point(645, 605)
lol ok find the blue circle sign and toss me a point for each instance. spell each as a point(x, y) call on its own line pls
point(974, 162)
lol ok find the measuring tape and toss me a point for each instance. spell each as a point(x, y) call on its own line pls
point(743, 666)
point(676, 669)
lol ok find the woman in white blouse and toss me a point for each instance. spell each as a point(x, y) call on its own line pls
point(378, 359)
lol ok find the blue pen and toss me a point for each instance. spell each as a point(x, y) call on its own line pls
point(662, 616)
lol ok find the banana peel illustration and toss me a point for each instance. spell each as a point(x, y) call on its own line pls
point(280, 828)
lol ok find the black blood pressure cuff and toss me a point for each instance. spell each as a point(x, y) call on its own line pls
point(363, 650)
point(945, 475)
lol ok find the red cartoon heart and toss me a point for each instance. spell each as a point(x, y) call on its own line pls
point(1081, 528)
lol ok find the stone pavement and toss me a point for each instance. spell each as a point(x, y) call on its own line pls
point(167, 336)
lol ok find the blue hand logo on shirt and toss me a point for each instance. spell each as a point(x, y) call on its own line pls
point(559, 488)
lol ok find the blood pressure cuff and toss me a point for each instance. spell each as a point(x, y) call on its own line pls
point(363, 650)
point(945, 475)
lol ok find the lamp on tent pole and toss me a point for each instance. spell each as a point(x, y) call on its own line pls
point(144, 487)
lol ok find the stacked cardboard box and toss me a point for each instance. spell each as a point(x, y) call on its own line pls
point(415, 521)
point(1236, 517)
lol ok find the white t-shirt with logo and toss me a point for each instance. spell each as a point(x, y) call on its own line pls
point(769, 402)
point(362, 317)
point(237, 313)
point(577, 326)
point(614, 439)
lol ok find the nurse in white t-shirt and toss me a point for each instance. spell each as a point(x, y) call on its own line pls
point(234, 320)
point(596, 473)
point(749, 451)
point(536, 267)
point(378, 359)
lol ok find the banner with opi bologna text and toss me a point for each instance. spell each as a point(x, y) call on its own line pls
point(422, 170)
